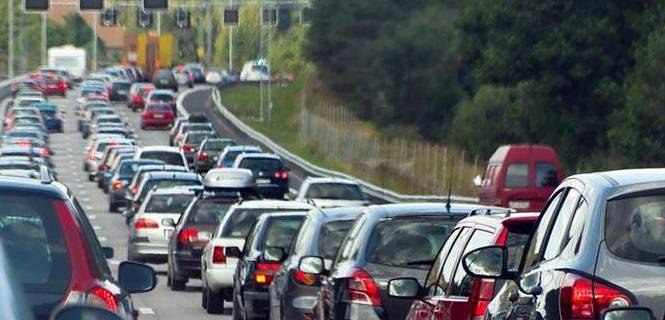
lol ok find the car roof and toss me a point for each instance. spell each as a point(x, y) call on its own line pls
point(175, 175)
point(270, 215)
point(501, 218)
point(160, 148)
point(337, 213)
point(273, 204)
point(191, 190)
point(242, 148)
point(315, 180)
point(258, 156)
point(426, 208)
point(162, 91)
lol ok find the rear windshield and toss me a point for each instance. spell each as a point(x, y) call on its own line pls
point(261, 164)
point(166, 184)
point(159, 107)
point(48, 113)
point(334, 191)
point(280, 232)
point(168, 203)
point(635, 228)
point(168, 157)
point(128, 169)
point(103, 120)
point(546, 175)
point(196, 138)
point(35, 249)
point(24, 134)
point(209, 211)
point(331, 236)
point(121, 86)
point(408, 243)
point(102, 145)
point(162, 97)
point(241, 221)
point(196, 127)
point(219, 144)
point(98, 112)
point(517, 175)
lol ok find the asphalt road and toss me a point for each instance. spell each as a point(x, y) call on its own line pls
point(161, 303)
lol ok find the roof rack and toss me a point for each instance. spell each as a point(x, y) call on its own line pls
point(490, 211)
point(45, 175)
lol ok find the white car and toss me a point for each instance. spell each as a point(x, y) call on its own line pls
point(213, 77)
point(168, 155)
point(255, 71)
point(150, 230)
point(217, 273)
point(96, 151)
point(332, 192)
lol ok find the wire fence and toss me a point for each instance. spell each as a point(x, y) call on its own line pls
point(405, 165)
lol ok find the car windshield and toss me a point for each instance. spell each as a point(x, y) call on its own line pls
point(121, 86)
point(158, 108)
point(635, 228)
point(408, 243)
point(334, 191)
point(162, 184)
point(162, 97)
point(168, 157)
point(168, 203)
point(241, 221)
point(280, 232)
point(195, 138)
point(261, 164)
point(209, 211)
point(331, 236)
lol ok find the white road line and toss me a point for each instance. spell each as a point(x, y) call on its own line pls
point(92, 217)
point(146, 311)
point(88, 207)
point(101, 239)
point(80, 185)
point(113, 262)
point(82, 192)
point(85, 199)
point(96, 228)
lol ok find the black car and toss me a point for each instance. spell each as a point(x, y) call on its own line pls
point(272, 176)
point(197, 72)
point(267, 245)
point(293, 292)
point(119, 90)
point(191, 142)
point(164, 79)
point(385, 242)
point(208, 153)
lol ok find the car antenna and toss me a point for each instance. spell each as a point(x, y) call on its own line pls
point(450, 186)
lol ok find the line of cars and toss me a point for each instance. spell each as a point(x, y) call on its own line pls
point(48, 246)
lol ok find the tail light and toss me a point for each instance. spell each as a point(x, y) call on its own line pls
point(185, 236)
point(218, 255)
point(484, 290)
point(101, 167)
point(190, 77)
point(134, 189)
point(187, 148)
point(147, 114)
point(304, 278)
point(265, 272)
point(179, 138)
point(45, 152)
point(282, 174)
point(220, 165)
point(103, 297)
point(62, 85)
point(361, 289)
point(91, 157)
point(583, 298)
point(203, 156)
point(144, 223)
point(117, 185)
point(137, 98)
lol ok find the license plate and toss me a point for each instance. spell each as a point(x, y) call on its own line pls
point(204, 235)
point(262, 181)
point(163, 81)
point(122, 92)
point(159, 116)
point(168, 233)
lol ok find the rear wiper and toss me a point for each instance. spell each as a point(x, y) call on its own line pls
point(419, 262)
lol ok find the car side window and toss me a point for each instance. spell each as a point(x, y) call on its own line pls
point(517, 175)
point(435, 270)
point(562, 221)
point(249, 241)
point(573, 239)
point(451, 262)
point(534, 250)
point(462, 282)
point(346, 249)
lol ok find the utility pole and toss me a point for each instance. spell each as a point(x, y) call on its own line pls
point(10, 45)
point(95, 22)
point(159, 23)
point(44, 39)
point(209, 36)
point(231, 44)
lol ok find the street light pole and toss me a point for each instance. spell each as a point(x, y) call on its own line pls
point(43, 38)
point(94, 42)
point(10, 45)
point(159, 23)
point(209, 36)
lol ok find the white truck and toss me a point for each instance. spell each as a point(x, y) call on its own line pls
point(68, 58)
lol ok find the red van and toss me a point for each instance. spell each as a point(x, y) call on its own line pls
point(521, 177)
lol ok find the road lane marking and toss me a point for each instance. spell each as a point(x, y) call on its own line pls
point(88, 207)
point(146, 311)
point(85, 199)
point(92, 217)
point(113, 262)
point(96, 228)
point(101, 239)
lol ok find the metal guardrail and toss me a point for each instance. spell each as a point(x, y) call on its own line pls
point(372, 190)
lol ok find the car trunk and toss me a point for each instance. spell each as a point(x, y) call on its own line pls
point(396, 308)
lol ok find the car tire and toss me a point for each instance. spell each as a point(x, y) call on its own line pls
point(100, 183)
point(178, 285)
point(91, 178)
point(113, 207)
point(204, 296)
point(214, 302)
point(236, 310)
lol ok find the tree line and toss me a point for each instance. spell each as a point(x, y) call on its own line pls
point(583, 76)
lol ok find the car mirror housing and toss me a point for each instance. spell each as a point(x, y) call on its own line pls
point(407, 288)
point(169, 222)
point(232, 252)
point(82, 312)
point(312, 265)
point(487, 262)
point(274, 254)
point(136, 277)
point(632, 313)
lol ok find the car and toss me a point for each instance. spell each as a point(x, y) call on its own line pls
point(15, 111)
point(272, 176)
point(111, 154)
point(88, 92)
point(208, 153)
point(97, 120)
point(293, 292)
point(61, 267)
point(55, 85)
point(164, 79)
point(596, 235)
point(90, 109)
point(157, 115)
point(96, 151)
point(27, 101)
point(26, 133)
point(267, 245)
point(23, 151)
point(332, 192)
point(183, 77)
point(168, 155)
point(53, 117)
point(193, 126)
point(118, 129)
point(163, 97)
point(217, 271)
point(521, 177)
point(119, 90)
point(121, 176)
point(385, 242)
point(62, 73)
point(179, 121)
point(198, 72)
point(453, 294)
point(191, 142)
point(254, 71)
point(149, 230)
point(138, 94)
point(223, 187)
point(161, 179)
point(230, 153)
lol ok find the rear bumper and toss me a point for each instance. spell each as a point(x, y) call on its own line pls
point(157, 122)
point(256, 304)
point(272, 190)
point(219, 279)
point(187, 266)
point(53, 124)
point(117, 196)
point(355, 311)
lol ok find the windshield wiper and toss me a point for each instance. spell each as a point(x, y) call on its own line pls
point(419, 262)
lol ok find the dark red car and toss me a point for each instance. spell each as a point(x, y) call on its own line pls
point(138, 94)
point(521, 177)
point(157, 115)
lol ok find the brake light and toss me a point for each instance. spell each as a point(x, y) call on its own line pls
point(484, 291)
point(101, 167)
point(144, 223)
point(186, 236)
point(137, 98)
point(179, 138)
point(187, 148)
point(91, 157)
point(203, 156)
point(134, 189)
point(582, 298)
point(103, 297)
point(220, 165)
point(62, 85)
point(265, 272)
point(304, 278)
point(282, 174)
point(218, 255)
point(361, 289)
point(117, 185)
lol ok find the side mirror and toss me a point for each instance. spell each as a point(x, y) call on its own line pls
point(83, 312)
point(312, 265)
point(487, 262)
point(129, 214)
point(108, 252)
point(477, 181)
point(407, 288)
point(632, 313)
point(274, 254)
point(232, 252)
point(136, 277)
point(169, 222)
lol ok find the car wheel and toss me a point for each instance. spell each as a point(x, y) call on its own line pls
point(204, 297)
point(178, 285)
point(113, 207)
point(236, 310)
point(214, 302)
point(91, 178)
point(100, 184)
